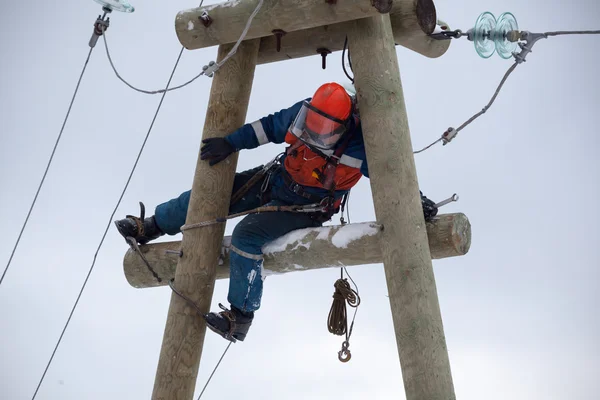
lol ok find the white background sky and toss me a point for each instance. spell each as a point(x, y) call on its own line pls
point(520, 311)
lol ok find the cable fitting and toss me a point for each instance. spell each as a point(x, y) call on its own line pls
point(449, 135)
point(210, 69)
point(446, 35)
point(100, 26)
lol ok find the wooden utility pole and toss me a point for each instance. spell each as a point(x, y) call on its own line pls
point(406, 256)
point(449, 235)
point(399, 238)
point(211, 190)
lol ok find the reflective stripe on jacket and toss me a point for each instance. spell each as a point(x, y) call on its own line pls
point(274, 129)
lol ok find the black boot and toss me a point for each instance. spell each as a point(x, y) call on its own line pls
point(429, 208)
point(141, 229)
point(231, 324)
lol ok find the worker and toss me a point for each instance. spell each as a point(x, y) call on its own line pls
point(324, 159)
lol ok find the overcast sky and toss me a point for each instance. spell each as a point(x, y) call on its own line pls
point(520, 310)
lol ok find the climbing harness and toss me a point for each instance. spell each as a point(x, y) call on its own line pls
point(337, 321)
point(309, 208)
point(267, 170)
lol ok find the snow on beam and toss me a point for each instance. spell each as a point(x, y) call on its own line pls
point(306, 24)
point(305, 249)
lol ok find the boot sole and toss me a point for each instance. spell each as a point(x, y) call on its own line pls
point(223, 335)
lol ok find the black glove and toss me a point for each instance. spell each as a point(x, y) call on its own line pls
point(215, 150)
point(429, 208)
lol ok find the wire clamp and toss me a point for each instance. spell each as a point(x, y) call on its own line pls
point(100, 26)
point(449, 135)
point(210, 69)
point(529, 39)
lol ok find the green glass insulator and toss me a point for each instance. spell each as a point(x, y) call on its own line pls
point(482, 35)
point(506, 23)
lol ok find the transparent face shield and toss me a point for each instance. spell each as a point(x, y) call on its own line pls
point(316, 128)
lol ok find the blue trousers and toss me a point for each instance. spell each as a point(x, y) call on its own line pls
point(249, 235)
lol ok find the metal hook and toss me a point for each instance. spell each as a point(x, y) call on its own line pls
point(344, 355)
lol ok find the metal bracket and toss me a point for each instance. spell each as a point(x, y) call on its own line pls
point(530, 39)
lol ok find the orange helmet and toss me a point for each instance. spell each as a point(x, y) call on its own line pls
point(323, 121)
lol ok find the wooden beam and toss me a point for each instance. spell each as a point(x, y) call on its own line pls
point(393, 178)
point(195, 276)
point(411, 22)
point(229, 19)
point(331, 246)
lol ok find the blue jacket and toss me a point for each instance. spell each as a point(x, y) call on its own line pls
point(273, 129)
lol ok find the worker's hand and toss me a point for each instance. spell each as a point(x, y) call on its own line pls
point(429, 208)
point(215, 150)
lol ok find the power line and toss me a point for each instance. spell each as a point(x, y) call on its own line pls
point(519, 58)
point(48, 165)
point(164, 92)
point(109, 224)
point(207, 70)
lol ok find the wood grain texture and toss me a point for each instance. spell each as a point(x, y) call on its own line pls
point(411, 22)
point(406, 256)
point(195, 276)
point(449, 236)
point(230, 18)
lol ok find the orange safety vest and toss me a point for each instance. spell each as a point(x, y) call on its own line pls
point(301, 162)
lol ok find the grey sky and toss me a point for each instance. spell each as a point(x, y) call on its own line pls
point(520, 311)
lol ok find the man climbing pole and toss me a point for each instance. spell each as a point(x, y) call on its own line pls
point(324, 160)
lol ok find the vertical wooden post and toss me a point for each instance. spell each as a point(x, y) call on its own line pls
point(211, 190)
point(406, 257)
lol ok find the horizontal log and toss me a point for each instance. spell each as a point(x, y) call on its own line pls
point(412, 22)
point(229, 19)
point(305, 249)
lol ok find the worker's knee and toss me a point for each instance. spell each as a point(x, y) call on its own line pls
point(247, 236)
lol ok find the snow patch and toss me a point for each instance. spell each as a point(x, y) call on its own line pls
point(268, 272)
point(324, 233)
point(280, 244)
point(349, 233)
point(251, 276)
point(190, 26)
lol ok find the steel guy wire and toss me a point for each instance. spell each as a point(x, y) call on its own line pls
point(109, 224)
point(48, 165)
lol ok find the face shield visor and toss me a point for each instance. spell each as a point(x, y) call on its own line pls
point(316, 128)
